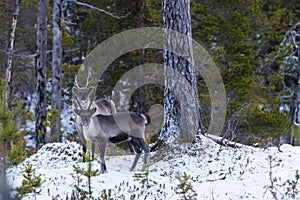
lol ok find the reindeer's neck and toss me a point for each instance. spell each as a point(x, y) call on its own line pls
point(93, 131)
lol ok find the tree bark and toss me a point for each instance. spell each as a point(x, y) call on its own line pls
point(181, 103)
point(294, 110)
point(10, 48)
point(140, 4)
point(56, 69)
point(4, 192)
point(291, 68)
point(41, 63)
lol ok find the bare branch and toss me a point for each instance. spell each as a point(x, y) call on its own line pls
point(32, 56)
point(100, 10)
point(22, 56)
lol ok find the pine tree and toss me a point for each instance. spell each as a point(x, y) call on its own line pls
point(11, 140)
point(30, 183)
point(88, 173)
point(181, 102)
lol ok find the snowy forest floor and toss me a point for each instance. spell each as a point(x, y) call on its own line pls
point(215, 173)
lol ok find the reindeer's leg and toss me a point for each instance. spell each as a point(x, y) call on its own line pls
point(137, 156)
point(146, 151)
point(102, 149)
point(139, 145)
point(144, 147)
point(81, 137)
point(84, 143)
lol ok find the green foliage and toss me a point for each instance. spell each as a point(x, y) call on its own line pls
point(30, 183)
point(16, 154)
point(8, 126)
point(262, 124)
point(67, 39)
point(52, 114)
point(30, 3)
point(153, 11)
point(9, 134)
point(88, 173)
point(243, 37)
point(184, 187)
point(294, 189)
point(144, 179)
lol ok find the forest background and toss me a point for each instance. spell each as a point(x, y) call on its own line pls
point(255, 45)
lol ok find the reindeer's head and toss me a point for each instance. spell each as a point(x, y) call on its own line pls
point(84, 95)
point(85, 114)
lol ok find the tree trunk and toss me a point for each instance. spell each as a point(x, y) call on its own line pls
point(41, 63)
point(10, 48)
point(292, 70)
point(4, 193)
point(181, 103)
point(56, 69)
point(294, 110)
point(141, 74)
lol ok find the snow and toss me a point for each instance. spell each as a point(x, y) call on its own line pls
point(215, 172)
point(67, 117)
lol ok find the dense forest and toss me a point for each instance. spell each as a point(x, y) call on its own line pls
point(45, 44)
point(254, 44)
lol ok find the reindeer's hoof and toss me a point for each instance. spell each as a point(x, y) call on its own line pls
point(131, 169)
point(103, 171)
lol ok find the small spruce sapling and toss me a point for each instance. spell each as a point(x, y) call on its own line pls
point(144, 179)
point(12, 141)
point(16, 154)
point(89, 173)
point(293, 191)
point(30, 183)
point(52, 114)
point(184, 187)
point(273, 190)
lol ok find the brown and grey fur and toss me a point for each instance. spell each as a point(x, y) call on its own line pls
point(84, 96)
point(116, 128)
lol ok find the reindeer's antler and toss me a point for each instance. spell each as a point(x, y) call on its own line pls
point(76, 82)
point(90, 105)
point(78, 102)
point(88, 81)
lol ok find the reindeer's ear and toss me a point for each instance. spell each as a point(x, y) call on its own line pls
point(77, 111)
point(94, 110)
point(75, 90)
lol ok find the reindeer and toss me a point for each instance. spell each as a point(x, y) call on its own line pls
point(116, 128)
point(84, 97)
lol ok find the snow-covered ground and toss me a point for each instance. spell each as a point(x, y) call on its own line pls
point(215, 173)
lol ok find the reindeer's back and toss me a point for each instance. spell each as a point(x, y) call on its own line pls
point(105, 107)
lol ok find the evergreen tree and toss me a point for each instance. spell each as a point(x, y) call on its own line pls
point(30, 182)
point(239, 36)
point(12, 141)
